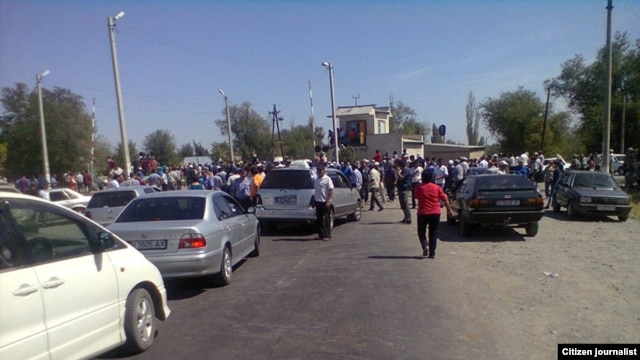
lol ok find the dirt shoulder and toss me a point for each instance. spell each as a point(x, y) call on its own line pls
point(574, 282)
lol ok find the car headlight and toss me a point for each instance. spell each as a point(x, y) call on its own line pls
point(585, 199)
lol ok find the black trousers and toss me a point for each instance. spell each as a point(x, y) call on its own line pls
point(323, 220)
point(432, 221)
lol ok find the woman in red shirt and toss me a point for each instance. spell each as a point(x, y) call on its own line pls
point(429, 195)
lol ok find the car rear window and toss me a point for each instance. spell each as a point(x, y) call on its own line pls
point(504, 182)
point(163, 208)
point(111, 199)
point(287, 179)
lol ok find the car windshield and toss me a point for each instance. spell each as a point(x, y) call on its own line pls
point(594, 180)
point(163, 208)
point(115, 198)
point(503, 182)
point(287, 179)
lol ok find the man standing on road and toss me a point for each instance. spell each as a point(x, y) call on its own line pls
point(404, 187)
point(323, 193)
point(429, 196)
point(374, 186)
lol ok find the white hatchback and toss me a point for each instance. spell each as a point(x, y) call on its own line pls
point(69, 288)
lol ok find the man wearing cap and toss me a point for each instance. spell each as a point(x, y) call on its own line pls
point(374, 186)
point(503, 167)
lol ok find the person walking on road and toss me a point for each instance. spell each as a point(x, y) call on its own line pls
point(323, 193)
point(404, 187)
point(429, 196)
point(374, 186)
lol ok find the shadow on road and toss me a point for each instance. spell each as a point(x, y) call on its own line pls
point(184, 288)
point(447, 232)
point(396, 257)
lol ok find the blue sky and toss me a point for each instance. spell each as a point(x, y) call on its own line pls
point(173, 56)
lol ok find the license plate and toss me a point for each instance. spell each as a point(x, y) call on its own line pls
point(508, 202)
point(149, 244)
point(606, 207)
point(286, 200)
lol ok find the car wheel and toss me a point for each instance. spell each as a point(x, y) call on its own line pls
point(556, 205)
point(571, 211)
point(357, 214)
point(623, 218)
point(256, 244)
point(140, 321)
point(226, 269)
point(332, 219)
point(463, 226)
point(532, 229)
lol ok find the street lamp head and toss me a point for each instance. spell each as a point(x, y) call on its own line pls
point(119, 15)
point(222, 92)
point(326, 64)
point(45, 73)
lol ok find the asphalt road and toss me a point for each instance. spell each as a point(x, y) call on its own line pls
point(366, 294)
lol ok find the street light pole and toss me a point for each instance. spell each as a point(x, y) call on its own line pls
point(111, 20)
point(226, 105)
point(43, 132)
point(336, 138)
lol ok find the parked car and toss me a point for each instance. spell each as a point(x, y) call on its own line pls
point(287, 194)
point(547, 161)
point(105, 205)
point(496, 200)
point(190, 232)
point(70, 288)
point(591, 193)
point(68, 198)
point(8, 188)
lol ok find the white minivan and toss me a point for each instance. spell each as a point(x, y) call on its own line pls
point(70, 289)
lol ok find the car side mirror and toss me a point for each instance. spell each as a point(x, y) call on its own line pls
point(106, 240)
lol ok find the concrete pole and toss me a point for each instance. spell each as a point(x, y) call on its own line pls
point(43, 132)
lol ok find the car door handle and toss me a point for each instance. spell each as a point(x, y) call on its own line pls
point(25, 289)
point(53, 283)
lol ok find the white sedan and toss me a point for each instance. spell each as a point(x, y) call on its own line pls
point(71, 289)
point(68, 198)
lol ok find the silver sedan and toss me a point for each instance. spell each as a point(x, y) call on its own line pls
point(191, 232)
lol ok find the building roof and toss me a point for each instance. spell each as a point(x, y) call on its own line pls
point(360, 110)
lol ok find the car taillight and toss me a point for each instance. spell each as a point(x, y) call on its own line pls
point(478, 203)
point(538, 202)
point(192, 241)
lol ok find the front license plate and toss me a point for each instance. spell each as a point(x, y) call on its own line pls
point(149, 244)
point(606, 207)
point(508, 202)
point(286, 200)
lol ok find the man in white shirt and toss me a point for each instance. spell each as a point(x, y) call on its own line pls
point(416, 179)
point(323, 194)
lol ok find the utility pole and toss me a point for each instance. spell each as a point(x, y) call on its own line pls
point(275, 124)
point(606, 161)
point(544, 123)
point(111, 23)
point(356, 98)
point(336, 146)
point(313, 118)
point(43, 132)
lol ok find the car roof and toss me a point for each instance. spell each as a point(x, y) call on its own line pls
point(180, 193)
point(126, 188)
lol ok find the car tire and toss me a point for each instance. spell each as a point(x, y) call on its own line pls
point(532, 229)
point(464, 228)
point(571, 211)
point(332, 219)
point(623, 218)
point(357, 214)
point(139, 321)
point(256, 244)
point(226, 267)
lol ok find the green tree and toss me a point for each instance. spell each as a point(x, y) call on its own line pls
point(298, 141)
point(220, 152)
point(249, 131)
point(515, 120)
point(68, 128)
point(162, 144)
point(404, 120)
point(118, 156)
point(473, 121)
point(186, 150)
point(102, 150)
point(583, 86)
